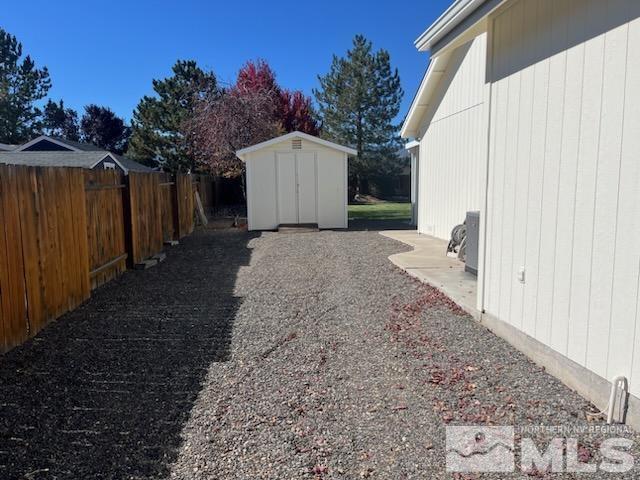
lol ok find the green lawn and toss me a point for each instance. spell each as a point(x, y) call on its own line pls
point(380, 211)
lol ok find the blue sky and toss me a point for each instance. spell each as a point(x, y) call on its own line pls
point(107, 52)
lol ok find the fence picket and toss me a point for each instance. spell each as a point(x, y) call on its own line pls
point(67, 231)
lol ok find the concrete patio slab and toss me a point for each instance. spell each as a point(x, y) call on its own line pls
point(429, 263)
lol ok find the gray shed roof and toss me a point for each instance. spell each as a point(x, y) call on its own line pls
point(5, 147)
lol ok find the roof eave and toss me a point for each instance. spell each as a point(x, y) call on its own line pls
point(451, 18)
point(242, 153)
point(114, 159)
point(418, 106)
point(49, 139)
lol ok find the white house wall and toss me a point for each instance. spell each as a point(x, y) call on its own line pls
point(453, 143)
point(564, 179)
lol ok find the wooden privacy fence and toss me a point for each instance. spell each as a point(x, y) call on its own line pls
point(184, 194)
point(104, 195)
point(145, 216)
point(169, 207)
point(67, 231)
point(44, 267)
point(205, 186)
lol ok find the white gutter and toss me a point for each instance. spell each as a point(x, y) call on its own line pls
point(451, 18)
point(428, 85)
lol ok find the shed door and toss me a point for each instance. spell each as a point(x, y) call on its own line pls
point(287, 186)
point(307, 182)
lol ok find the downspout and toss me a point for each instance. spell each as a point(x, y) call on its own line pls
point(484, 218)
point(618, 383)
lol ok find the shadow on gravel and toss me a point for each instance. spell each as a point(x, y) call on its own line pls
point(105, 391)
point(379, 225)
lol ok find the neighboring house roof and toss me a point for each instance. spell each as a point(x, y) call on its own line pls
point(5, 147)
point(69, 144)
point(77, 147)
point(305, 136)
point(56, 159)
point(132, 165)
point(461, 22)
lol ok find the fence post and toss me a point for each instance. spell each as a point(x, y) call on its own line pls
point(175, 205)
point(128, 220)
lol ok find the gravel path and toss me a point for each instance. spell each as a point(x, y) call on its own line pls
point(344, 367)
point(272, 357)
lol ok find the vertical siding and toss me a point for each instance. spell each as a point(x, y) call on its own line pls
point(625, 334)
point(564, 184)
point(451, 175)
point(263, 187)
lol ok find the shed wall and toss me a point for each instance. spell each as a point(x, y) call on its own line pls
point(453, 143)
point(331, 186)
point(564, 179)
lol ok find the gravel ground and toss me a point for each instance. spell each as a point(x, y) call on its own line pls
point(344, 367)
point(272, 357)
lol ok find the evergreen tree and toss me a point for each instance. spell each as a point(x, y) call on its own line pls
point(59, 121)
point(160, 123)
point(101, 127)
point(21, 86)
point(358, 101)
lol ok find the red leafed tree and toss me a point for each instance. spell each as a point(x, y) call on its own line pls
point(230, 123)
point(253, 110)
point(297, 113)
point(257, 77)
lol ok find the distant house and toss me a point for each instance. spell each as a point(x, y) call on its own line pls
point(45, 151)
point(90, 160)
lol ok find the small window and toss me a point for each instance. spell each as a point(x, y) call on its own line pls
point(109, 166)
point(296, 144)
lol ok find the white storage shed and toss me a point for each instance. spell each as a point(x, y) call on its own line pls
point(296, 179)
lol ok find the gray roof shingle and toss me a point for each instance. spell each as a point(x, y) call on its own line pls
point(53, 159)
point(67, 159)
point(132, 165)
point(85, 147)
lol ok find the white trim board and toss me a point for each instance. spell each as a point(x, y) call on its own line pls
point(241, 154)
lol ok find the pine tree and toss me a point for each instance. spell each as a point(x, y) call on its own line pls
point(21, 86)
point(101, 127)
point(59, 121)
point(160, 123)
point(358, 101)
